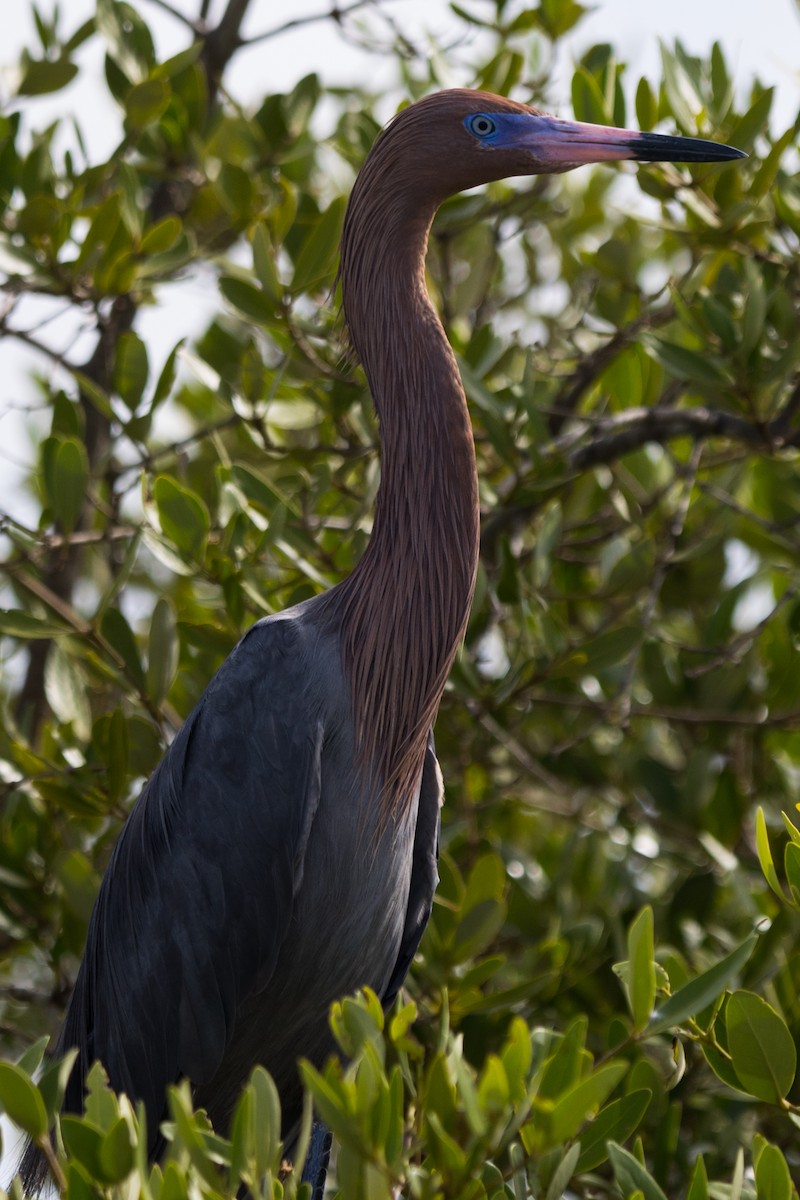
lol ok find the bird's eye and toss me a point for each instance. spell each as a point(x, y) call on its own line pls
point(481, 125)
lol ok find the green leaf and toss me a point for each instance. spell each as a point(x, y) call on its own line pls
point(608, 649)
point(131, 369)
point(146, 101)
point(791, 866)
point(329, 1100)
point(94, 393)
point(117, 1152)
point(562, 1174)
point(183, 516)
point(128, 37)
point(721, 84)
point(68, 477)
point(266, 1120)
point(83, 1141)
point(167, 377)
point(477, 928)
point(755, 308)
point(31, 1060)
point(574, 1106)
point(695, 366)
point(698, 993)
point(588, 101)
point(265, 266)
point(761, 1047)
point(642, 980)
point(119, 635)
point(21, 1100)
point(547, 540)
point(773, 1181)
point(65, 689)
point(557, 17)
point(117, 754)
point(493, 1089)
point(616, 1122)
point(684, 100)
point(161, 237)
point(236, 190)
point(516, 1054)
point(748, 127)
point(631, 1175)
point(42, 76)
point(53, 1081)
point(646, 105)
point(16, 623)
point(163, 650)
point(249, 299)
point(791, 829)
point(564, 1066)
point(317, 259)
point(698, 1187)
point(765, 855)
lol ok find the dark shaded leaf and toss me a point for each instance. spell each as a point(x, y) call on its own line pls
point(761, 1047)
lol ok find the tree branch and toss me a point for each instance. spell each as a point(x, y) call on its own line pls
point(197, 27)
point(222, 43)
point(788, 719)
point(619, 434)
point(636, 426)
point(587, 370)
point(335, 13)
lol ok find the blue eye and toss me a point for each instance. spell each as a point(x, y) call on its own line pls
point(481, 125)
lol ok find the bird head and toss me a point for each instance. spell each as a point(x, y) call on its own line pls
point(457, 139)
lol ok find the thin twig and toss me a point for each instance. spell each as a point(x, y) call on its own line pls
point(197, 27)
point(588, 369)
point(335, 13)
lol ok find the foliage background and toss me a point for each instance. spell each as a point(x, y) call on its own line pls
point(628, 691)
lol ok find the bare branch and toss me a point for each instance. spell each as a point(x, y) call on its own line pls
point(636, 426)
point(335, 13)
point(763, 719)
point(197, 27)
point(587, 370)
point(222, 43)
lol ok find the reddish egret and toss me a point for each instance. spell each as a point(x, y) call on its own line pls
point(284, 852)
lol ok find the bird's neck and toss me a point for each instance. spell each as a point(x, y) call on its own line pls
point(408, 600)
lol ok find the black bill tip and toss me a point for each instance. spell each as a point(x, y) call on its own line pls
point(661, 147)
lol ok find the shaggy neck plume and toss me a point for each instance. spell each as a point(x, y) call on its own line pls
point(406, 605)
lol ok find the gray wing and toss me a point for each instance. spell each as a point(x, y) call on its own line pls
point(198, 895)
point(425, 872)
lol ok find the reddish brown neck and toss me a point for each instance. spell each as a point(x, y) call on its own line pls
point(406, 604)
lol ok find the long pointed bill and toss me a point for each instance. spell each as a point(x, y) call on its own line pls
point(571, 143)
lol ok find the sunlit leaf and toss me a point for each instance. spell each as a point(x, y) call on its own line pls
point(642, 978)
point(701, 991)
point(616, 1122)
point(21, 1100)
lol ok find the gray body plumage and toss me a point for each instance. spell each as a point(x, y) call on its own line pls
point(251, 886)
